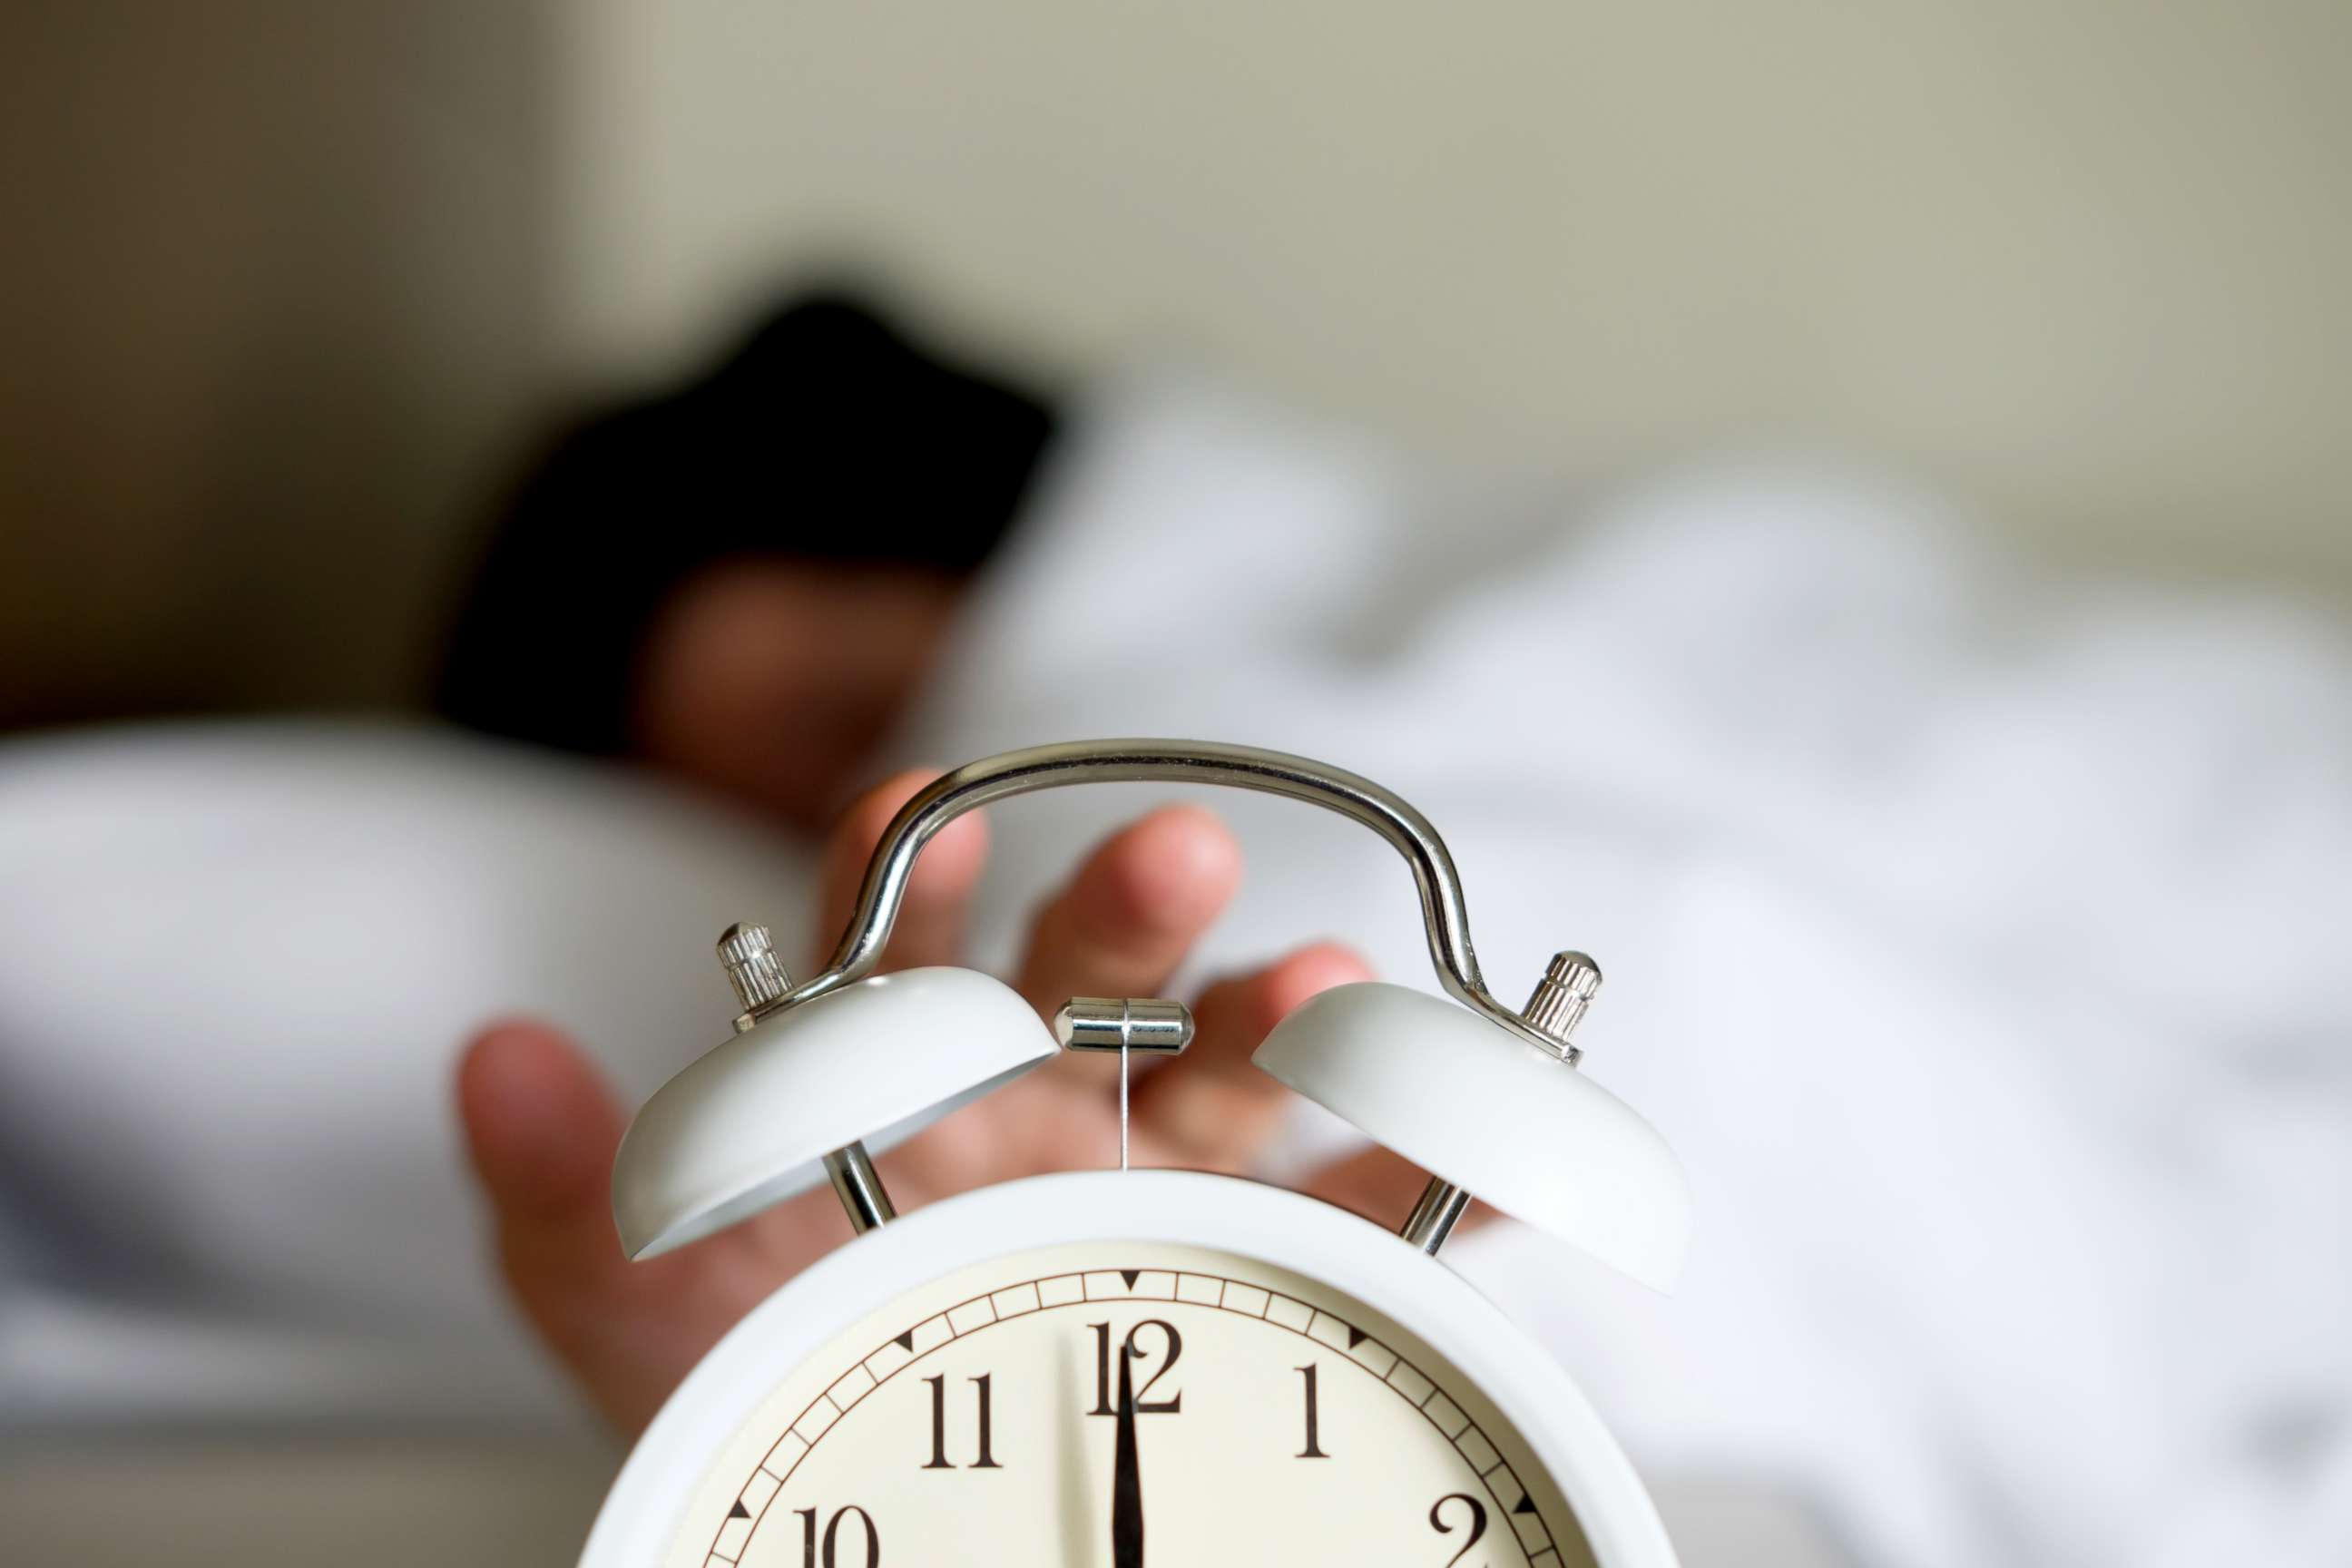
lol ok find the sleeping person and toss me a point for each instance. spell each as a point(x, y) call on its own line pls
point(1972, 941)
point(1971, 944)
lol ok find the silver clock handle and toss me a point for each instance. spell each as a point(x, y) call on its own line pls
point(1182, 761)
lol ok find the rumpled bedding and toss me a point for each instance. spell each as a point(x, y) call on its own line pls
point(1977, 945)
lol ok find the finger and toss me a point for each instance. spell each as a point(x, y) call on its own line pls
point(1212, 1107)
point(542, 1128)
point(1133, 910)
point(930, 927)
point(1382, 1186)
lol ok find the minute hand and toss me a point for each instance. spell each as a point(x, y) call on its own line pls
point(1127, 1478)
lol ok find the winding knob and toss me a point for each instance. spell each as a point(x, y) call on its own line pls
point(758, 975)
point(1561, 998)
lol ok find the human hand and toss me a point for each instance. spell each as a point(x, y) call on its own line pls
point(541, 1126)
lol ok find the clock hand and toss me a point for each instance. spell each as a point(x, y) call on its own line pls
point(1127, 1478)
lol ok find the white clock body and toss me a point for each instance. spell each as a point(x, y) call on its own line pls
point(1308, 1389)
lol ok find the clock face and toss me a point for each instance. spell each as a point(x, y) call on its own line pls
point(1113, 1404)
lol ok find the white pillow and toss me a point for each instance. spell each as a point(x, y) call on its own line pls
point(236, 961)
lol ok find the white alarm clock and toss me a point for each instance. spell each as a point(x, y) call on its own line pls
point(1119, 1367)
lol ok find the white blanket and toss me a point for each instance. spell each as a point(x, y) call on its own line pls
point(1978, 947)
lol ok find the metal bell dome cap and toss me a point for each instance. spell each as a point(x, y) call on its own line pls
point(747, 1125)
point(1469, 1101)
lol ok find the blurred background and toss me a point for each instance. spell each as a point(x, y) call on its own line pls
point(295, 297)
point(290, 288)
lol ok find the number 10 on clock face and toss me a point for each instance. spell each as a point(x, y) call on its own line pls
point(1123, 1404)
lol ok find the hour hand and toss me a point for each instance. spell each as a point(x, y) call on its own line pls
point(1126, 1478)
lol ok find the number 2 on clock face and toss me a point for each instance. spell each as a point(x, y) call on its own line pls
point(1120, 1405)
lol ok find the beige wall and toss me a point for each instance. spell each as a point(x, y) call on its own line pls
point(285, 281)
point(2085, 261)
point(268, 316)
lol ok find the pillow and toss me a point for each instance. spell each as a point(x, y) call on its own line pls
point(236, 963)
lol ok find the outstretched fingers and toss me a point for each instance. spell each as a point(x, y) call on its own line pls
point(1212, 1109)
point(1119, 927)
point(1134, 909)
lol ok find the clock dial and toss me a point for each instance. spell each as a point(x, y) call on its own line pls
point(1118, 1405)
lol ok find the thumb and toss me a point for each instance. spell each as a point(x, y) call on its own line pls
point(542, 1128)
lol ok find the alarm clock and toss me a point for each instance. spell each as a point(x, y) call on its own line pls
point(1122, 1367)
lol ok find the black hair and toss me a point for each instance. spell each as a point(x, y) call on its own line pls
point(827, 435)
